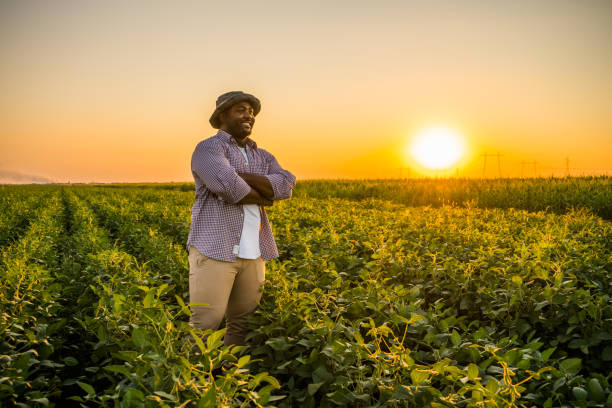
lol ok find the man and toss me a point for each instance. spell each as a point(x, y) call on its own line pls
point(230, 237)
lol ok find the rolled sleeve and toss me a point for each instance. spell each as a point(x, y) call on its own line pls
point(282, 181)
point(213, 168)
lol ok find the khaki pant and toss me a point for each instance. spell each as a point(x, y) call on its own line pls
point(232, 289)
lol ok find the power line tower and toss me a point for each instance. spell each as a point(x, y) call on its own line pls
point(484, 163)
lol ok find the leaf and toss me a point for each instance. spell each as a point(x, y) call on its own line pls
point(148, 299)
point(244, 360)
point(418, 376)
point(472, 371)
point(166, 395)
point(547, 353)
point(209, 399)
point(139, 337)
point(314, 387)
point(321, 374)
point(606, 354)
point(278, 343)
point(132, 395)
point(198, 341)
point(118, 369)
point(87, 388)
point(517, 280)
point(570, 365)
point(455, 338)
point(492, 386)
point(214, 340)
point(43, 401)
point(272, 381)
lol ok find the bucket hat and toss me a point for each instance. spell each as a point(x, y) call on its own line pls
point(228, 99)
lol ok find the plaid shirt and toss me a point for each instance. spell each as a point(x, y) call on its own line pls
point(216, 219)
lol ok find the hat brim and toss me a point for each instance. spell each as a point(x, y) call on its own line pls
point(214, 118)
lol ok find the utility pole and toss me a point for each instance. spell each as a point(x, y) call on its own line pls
point(484, 164)
point(567, 168)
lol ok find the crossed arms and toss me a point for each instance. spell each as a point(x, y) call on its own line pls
point(214, 169)
point(261, 192)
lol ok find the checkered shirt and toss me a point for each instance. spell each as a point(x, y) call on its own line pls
point(216, 219)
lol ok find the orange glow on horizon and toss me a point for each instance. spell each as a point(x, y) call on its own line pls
point(122, 91)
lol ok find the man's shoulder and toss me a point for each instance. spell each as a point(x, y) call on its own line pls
point(211, 142)
point(264, 152)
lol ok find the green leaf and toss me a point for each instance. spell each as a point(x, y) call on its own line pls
point(472, 371)
point(131, 396)
point(418, 376)
point(580, 393)
point(118, 369)
point(606, 354)
point(314, 387)
point(570, 365)
point(492, 386)
point(87, 388)
point(198, 341)
point(517, 280)
point(43, 401)
point(166, 395)
point(596, 392)
point(214, 340)
point(244, 360)
point(209, 399)
point(547, 353)
point(148, 299)
point(71, 361)
point(455, 338)
point(272, 381)
point(321, 374)
point(139, 337)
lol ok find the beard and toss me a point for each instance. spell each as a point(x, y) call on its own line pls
point(237, 130)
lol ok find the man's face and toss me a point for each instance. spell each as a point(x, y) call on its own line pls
point(238, 120)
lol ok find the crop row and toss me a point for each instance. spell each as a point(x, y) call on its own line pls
point(101, 328)
point(553, 194)
point(17, 209)
point(359, 286)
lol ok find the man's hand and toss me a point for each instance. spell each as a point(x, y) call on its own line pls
point(255, 198)
point(260, 183)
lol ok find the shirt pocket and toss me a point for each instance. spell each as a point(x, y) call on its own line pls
point(259, 166)
point(238, 162)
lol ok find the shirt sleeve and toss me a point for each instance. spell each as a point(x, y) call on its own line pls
point(282, 181)
point(210, 164)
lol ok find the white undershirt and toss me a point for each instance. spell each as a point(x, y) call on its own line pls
point(249, 240)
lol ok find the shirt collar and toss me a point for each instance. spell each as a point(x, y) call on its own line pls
point(226, 137)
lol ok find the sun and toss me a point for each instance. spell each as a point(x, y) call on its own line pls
point(437, 147)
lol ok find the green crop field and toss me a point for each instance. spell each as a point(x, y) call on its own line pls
point(415, 293)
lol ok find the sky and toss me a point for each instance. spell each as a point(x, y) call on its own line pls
point(121, 91)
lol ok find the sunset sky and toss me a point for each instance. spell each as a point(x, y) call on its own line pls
point(121, 91)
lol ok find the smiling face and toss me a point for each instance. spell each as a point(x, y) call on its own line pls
point(238, 121)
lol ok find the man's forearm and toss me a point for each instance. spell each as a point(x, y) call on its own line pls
point(255, 198)
point(260, 183)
